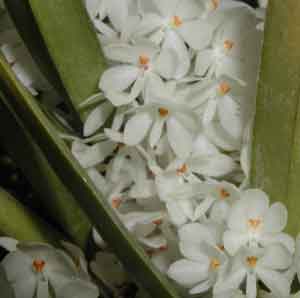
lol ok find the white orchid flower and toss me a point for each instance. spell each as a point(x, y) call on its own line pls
point(252, 221)
point(254, 264)
point(235, 42)
point(34, 268)
point(166, 111)
point(204, 258)
point(205, 160)
point(223, 99)
point(218, 198)
point(182, 18)
point(123, 17)
point(97, 118)
point(140, 63)
point(90, 156)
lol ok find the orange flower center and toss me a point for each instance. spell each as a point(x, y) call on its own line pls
point(254, 223)
point(176, 21)
point(182, 170)
point(157, 222)
point(116, 202)
point(163, 248)
point(215, 4)
point(224, 193)
point(228, 45)
point(163, 112)
point(144, 61)
point(39, 265)
point(221, 247)
point(224, 88)
point(252, 261)
point(215, 264)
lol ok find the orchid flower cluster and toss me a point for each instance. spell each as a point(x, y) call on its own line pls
point(167, 145)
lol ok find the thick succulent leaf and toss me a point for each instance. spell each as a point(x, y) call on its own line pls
point(54, 197)
point(276, 140)
point(75, 178)
point(18, 222)
point(62, 40)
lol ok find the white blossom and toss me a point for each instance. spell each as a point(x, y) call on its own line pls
point(254, 222)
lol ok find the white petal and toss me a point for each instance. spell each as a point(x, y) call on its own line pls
point(193, 252)
point(203, 62)
point(237, 219)
point(187, 273)
point(119, 98)
point(197, 34)
point(137, 128)
point(196, 233)
point(282, 238)
point(212, 166)
point(256, 203)
point(251, 289)
point(230, 117)
point(175, 42)
point(25, 288)
point(210, 111)
point(9, 244)
point(276, 257)
point(16, 266)
point(275, 219)
point(156, 132)
point(275, 281)
point(201, 288)
point(177, 217)
point(132, 219)
point(118, 13)
point(218, 136)
point(188, 9)
point(231, 67)
point(231, 282)
point(179, 138)
point(97, 118)
point(166, 63)
point(233, 241)
point(89, 156)
point(155, 242)
point(203, 207)
point(166, 7)
point(92, 7)
point(149, 23)
point(118, 78)
point(42, 289)
point(202, 146)
point(219, 211)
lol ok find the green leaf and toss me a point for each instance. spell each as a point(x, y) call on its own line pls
point(276, 140)
point(67, 168)
point(73, 46)
point(24, 21)
point(18, 222)
point(64, 44)
point(54, 197)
